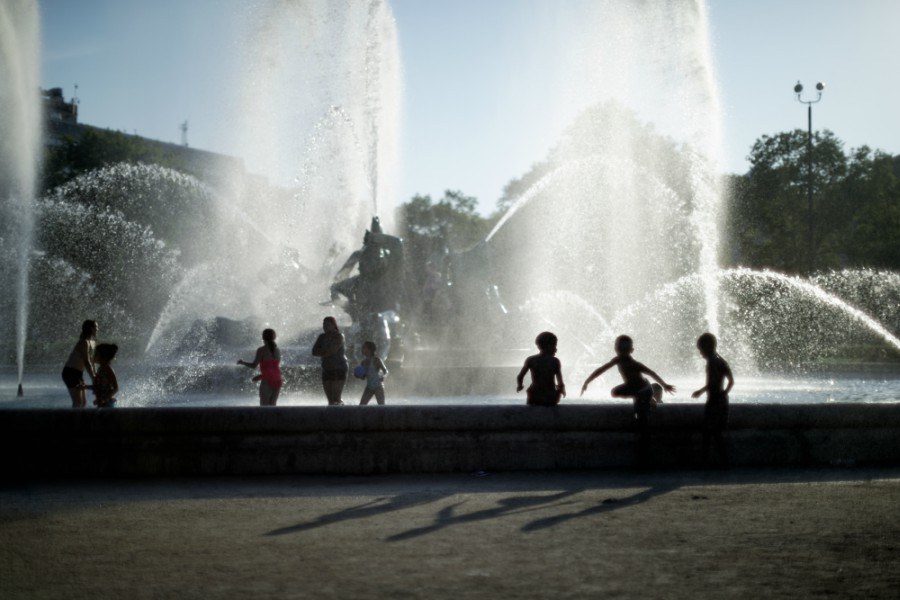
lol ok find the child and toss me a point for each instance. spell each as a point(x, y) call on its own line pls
point(374, 372)
point(81, 359)
point(715, 413)
point(105, 383)
point(636, 386)
point(268, 358)
point(547, 387)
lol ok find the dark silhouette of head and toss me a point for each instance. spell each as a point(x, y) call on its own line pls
point(330, 323)
point(624, 345)
point(546, 341)
point(89, 329)
point(268, 336)
point(370, 346)
point(106, 352)
point(706, 344)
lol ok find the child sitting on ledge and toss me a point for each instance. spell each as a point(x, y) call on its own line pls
point(547, 387)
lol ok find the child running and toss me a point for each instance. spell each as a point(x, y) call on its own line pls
point(268, 358)
point(715, 413)
point(374, 372)
point(547, 387)
point(106, 385)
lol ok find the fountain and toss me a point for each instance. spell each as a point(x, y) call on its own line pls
point(618, 234)
point(20, 137)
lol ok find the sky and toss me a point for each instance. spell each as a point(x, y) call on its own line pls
point(476, 77)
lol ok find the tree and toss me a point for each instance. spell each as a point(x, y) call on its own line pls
point(856, 200)
point(97, 148)
point(452, 221)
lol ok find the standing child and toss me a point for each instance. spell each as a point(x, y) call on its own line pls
point(81, 359)
point(635, 386)
point(106, 385)
point(547, 387)
point(373, 371)
point(268, 358)
point(715, 413)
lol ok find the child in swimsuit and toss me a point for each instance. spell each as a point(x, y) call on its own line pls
point(374, 372)
point(635, 386)
point(715, 413)
point(268, 359)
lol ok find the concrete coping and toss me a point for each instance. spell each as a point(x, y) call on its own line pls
point(669, 416)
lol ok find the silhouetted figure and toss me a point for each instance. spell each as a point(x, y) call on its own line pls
point(106, 385)
point(371, 369)
point(81, 359)
point(268, 359)
point(547, 387)
point(715, 413)
point(636, 386)
point(330, 347)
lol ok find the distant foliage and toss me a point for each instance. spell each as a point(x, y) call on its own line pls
point(855, 202)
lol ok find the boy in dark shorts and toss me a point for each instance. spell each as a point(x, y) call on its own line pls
point(635, 386)
point(715, 413)
point(547, 385)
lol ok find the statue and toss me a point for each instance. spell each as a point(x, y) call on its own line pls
point(374, 297)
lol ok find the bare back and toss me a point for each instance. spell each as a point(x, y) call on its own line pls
point(544, 369)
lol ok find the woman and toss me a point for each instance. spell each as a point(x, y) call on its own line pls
point(330, 347)
point(80, 360)
point(268, 359)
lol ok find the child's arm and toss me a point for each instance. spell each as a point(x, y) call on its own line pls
point(699, 392)
point(659, 380)
point(728, 376)
point(381, 367)
point(521, 376)
point(597, 373)
point(113, 383)
point(84, 351)
point(561, 386)
point(255, 362)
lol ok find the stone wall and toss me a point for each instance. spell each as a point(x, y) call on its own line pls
point(402, 439)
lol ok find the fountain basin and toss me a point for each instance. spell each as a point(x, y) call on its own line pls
point(408, 439)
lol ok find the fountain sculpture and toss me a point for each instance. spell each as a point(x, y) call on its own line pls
point(617, 234)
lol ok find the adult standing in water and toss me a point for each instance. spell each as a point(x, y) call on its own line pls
point(330, 347)
point(81, 359)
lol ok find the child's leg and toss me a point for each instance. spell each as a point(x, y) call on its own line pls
point(379, 396)
point(366, 396)
point(268, 395)
point(622, 391)
point(643, 405)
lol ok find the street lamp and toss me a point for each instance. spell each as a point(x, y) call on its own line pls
point(798, 89)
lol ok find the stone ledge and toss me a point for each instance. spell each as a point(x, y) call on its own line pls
point(358, 440)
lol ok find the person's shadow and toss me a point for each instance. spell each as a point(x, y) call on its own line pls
point(447, 516)
point(607, 505)
point(363, 511)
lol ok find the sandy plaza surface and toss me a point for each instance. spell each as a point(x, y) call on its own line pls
point(590, 534)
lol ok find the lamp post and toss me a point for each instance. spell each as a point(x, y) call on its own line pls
point(798, 89)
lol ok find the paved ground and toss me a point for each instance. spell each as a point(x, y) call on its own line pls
point(740, 534)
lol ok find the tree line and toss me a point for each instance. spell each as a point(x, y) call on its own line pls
point(767, 224)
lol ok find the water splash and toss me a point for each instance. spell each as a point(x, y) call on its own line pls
point(20, 138)
point(301, 61)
